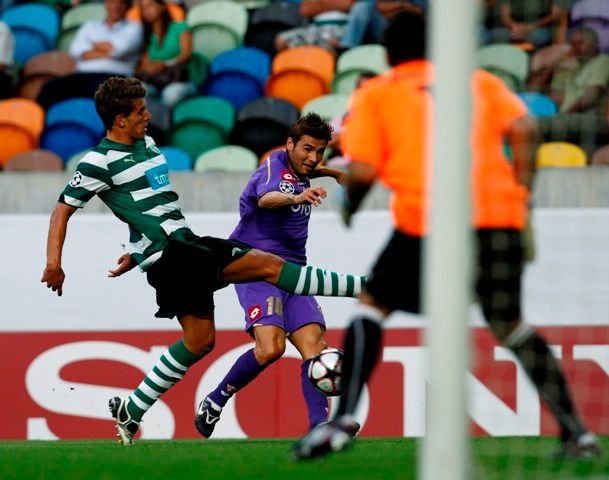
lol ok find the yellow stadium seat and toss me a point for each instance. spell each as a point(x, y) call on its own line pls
point(561, 154)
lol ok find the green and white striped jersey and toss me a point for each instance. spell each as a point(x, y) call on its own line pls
point(133, 181)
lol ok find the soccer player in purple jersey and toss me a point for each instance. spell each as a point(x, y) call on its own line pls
point(275, 208)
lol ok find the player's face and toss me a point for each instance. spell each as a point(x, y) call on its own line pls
point(306, 154)
point(136, 122)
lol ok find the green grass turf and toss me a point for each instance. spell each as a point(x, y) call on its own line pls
point(379, 458)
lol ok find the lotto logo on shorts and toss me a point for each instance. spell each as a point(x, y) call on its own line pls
point(285, 175)
point(254, 312)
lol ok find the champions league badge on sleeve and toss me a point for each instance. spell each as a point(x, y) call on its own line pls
point(76, 179)
point(286, 187)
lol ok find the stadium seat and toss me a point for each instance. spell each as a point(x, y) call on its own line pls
point(74, 17)
point(228, 158)
point(176, 12)
point(601, 156)
point(160, 120)
point(328, 106)
point(21, 122)
point(35, 160)
point(76, 110)
point(561, 154)
point(35, 28)
point(593, 14)
point(301, 74)
point(263, 124)
point(506, 61)
point(72, 126)
point(176, 159)
point(538, 104)
point(83, 85)
point(268, 21)
point(198, 66)
point(217, 26)
point(200, 124)
point(40, 69)
point(238, 75)
point(356, 61)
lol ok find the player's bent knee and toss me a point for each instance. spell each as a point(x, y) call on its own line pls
point(269, 354)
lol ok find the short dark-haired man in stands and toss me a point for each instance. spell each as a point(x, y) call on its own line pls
point(130, 175)
point(385, 137)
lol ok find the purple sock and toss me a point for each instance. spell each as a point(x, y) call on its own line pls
point(317, 402)
point(245, 369)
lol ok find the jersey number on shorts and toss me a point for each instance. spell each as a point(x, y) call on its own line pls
point(274, 306)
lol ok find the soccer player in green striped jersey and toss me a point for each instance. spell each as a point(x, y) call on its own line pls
point(130, 175)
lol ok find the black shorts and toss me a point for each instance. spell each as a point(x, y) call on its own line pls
point(187, 275)
point(500, 264)
point(395, 278)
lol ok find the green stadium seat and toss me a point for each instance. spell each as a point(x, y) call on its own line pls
point(198, 67)
point(504, 60)
point(228, 158)
point(355, 61)
point(328, 106)
point(213, 110)
point(200, 124)
point(217, 26)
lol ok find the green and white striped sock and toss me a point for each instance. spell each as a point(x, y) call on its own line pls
point(167, 371)
point(316, 281)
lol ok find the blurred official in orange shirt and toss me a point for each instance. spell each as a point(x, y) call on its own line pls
point(387, 136)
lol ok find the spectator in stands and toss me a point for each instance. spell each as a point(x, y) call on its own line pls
point(581, 95)
point(167, 51)
point(111, 45)
point(583, 87)
point(531, 21)
point(369, 18)
point(328, 24)
point(7, 50)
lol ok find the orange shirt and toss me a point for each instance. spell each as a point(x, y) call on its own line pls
point(387, 127)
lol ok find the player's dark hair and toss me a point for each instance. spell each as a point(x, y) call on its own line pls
point(405, 38)
point(310, 124)
point(116, 96)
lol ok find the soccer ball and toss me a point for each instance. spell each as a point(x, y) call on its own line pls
point(325, 371)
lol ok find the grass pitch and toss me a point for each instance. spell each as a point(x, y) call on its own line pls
point(368, 459)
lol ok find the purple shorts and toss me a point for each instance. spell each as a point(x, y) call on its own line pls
point(265, 304)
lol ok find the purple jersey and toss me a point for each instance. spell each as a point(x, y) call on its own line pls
point(282, 231)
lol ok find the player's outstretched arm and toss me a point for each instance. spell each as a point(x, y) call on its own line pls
point(125, 263)
point(53, 274)
point(312, 196)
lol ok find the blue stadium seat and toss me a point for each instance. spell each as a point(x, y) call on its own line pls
point(247, 60)
point(72, 126)
point(80, 111)
point(238, 75)
point(538, 104)
point(35, 28)
point(66, 139)
point(177, 159)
